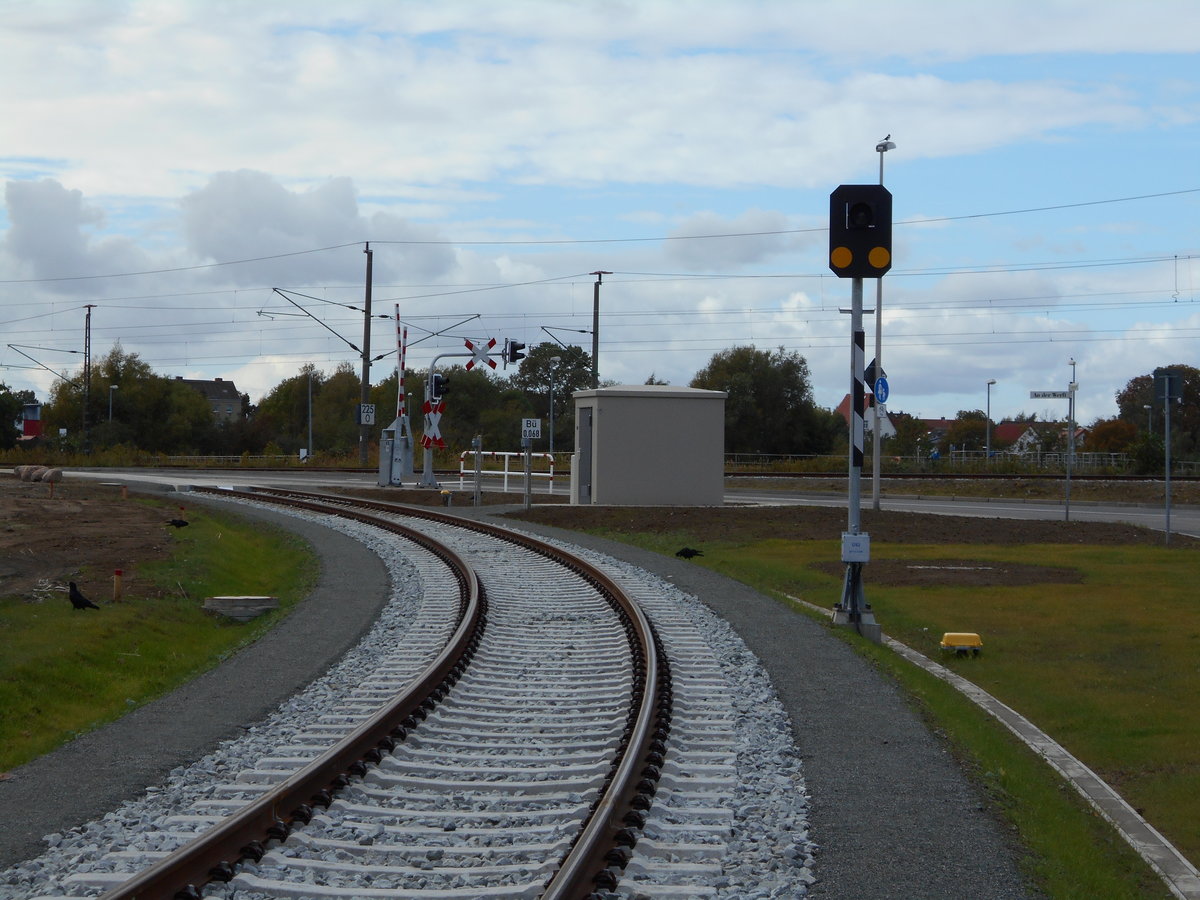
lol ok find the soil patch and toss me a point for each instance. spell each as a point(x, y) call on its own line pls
point(82, 534)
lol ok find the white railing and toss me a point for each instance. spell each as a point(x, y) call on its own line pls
point(507, 457)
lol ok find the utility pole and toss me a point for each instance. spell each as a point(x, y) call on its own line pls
point(596, 329)
point(87, 374)
point(364, 430)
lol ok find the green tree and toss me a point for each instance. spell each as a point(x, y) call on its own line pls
point(480, 403)
point(282, 416)
point(335, 412)
point(1110, 436)
point(1138, 394)
point(968, 431)
point(911, 438)
point(151, 412)
point(571, 372)
point(769, 408)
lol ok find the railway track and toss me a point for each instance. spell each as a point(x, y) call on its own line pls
point(522, 741)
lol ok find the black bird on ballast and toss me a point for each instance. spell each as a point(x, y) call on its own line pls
point(688, 552)
point(78, 600)
point(178, 523)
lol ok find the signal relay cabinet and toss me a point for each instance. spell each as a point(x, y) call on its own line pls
point(649, 445)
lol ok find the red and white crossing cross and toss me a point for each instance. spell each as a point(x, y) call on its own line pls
point(481, 354)
point(433, 419)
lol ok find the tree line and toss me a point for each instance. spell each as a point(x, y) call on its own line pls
point(770, 409)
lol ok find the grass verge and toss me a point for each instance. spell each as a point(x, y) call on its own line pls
point(1084, 660)
point(64, 672)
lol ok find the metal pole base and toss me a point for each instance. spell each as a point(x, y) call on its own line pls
point(427, 479)
point(854, 611)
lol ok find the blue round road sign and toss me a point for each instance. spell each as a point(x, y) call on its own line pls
point(881, 389)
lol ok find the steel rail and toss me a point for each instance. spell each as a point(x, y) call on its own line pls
point(601, 849)
point(245, 834)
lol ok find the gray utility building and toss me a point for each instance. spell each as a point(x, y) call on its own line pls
point(649, 445)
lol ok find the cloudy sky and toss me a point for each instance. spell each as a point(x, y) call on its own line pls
point(172, 164)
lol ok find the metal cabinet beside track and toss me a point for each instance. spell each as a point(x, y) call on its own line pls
point(648, 445)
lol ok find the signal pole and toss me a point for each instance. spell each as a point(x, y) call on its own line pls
point(860, 246)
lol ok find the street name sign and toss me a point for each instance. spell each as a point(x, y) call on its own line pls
point(1053, 395)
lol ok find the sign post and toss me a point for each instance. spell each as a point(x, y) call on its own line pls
point(531, 430)
point(1068, 395)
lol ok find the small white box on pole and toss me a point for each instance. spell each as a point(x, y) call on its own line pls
point(856, 548)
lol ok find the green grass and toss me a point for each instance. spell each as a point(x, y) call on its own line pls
point(1106, 666)
point(64, 672)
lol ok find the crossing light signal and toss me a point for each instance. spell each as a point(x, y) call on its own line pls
point(438, 385)
point(512, 351)
point(860, 231)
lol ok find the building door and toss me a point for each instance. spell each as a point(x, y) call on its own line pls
point(585, 453)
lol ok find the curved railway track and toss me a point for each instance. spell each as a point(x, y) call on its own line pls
point(513, 752)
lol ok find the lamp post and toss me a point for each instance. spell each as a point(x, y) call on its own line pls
point(111, 388)
point(554, 361)
point(876, 449)
point(988, 450)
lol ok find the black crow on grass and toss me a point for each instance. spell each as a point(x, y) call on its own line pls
point(78, 600)
point(178, 523)
point(688, 553)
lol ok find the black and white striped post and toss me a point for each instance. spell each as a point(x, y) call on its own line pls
point(860, 245)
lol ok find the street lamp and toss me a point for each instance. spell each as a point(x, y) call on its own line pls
point(877, 445)
point(554, 361)
point(111, 388)
point(988, 454)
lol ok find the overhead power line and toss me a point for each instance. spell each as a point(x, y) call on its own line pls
point(576, 241)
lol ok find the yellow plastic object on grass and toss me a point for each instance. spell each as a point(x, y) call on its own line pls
point(962, 642)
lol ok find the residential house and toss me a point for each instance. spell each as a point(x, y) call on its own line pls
point(886, 428)
point(222, 397)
